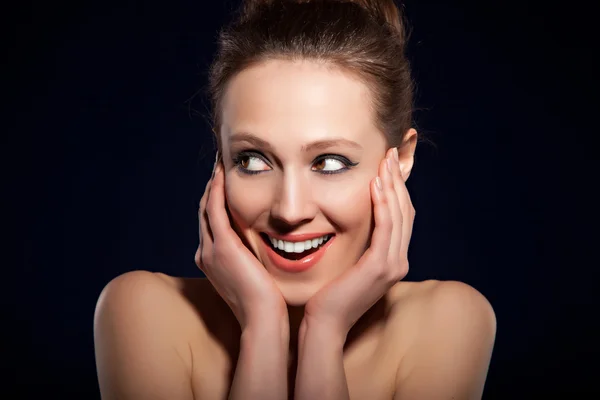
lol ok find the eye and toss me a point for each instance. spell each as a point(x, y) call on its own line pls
point(332, 164)
point(250, 163)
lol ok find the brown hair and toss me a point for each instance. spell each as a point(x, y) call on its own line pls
point(363, 37)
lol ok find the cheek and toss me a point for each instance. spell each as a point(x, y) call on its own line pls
point(245, 201)
point(349, 205)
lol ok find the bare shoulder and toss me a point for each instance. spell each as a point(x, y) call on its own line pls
point(448, 331)
point(149, 296)
point(441, 300)
point(143, 326)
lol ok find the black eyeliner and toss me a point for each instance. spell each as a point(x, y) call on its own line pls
point(237, 158)
point(253, 153)
point(338, 157)
point(347, 163)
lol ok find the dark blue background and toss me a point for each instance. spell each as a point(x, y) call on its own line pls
point(107, 151)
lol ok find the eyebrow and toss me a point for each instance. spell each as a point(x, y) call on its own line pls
point(316, 145)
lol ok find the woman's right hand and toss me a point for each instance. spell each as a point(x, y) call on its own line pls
point(235, 273)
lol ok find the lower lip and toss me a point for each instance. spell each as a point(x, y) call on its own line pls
point(297, 265)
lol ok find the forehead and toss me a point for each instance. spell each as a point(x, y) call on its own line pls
point(298, 101)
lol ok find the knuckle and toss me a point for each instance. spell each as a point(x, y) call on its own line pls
point(207, 187)
point(205, 195)
point(207, 203)
point(385, 219)
point(398, 268)
point(406, 209)
point(204, 258)
point(388, 226)
point(383, 198)
point(403, 267)
point(197, 258)
point(401, 216)
point(401, 262)
point(379, 271)
point(398, 276)
point(394, 276)
point(202, 214)
point(393, 272)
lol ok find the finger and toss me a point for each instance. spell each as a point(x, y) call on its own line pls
point(202, 209)
point(206, 194)
point(406, 207)
point(217, 215)
point(204, 233)
point(373, 282)
point(381, 237)
point(366, 276)
point(394, 206)
point(215, 165)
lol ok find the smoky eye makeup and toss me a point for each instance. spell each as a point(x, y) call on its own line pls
point(246, 161)
point(243, 160)
point(344, 161)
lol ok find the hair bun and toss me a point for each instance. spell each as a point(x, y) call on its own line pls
point(386, 10)
point(364, 38)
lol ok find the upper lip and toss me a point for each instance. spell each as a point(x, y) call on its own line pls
point(298, 237)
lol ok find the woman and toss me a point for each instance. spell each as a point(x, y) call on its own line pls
point(304, 231)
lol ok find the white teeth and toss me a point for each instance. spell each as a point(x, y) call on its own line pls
point(289, 247)
point(298, 247)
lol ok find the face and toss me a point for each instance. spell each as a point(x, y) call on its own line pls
point(300, 148)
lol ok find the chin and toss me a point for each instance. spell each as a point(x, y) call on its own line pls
point(297, 294)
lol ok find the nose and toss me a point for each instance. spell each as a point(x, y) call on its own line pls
point(293, 200)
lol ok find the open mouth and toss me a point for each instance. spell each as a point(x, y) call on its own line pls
point(295, 251)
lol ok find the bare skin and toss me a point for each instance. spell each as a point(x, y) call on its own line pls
point(195, 340)
point(343, 329)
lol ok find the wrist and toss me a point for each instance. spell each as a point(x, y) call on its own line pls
point(267, 327)
point(265, 317)
point(318, 330)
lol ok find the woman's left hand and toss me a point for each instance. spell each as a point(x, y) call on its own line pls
point(342, 302)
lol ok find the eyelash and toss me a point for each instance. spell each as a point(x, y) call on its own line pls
point(237, 159)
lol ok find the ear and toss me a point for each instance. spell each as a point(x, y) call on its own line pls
point(406, 153)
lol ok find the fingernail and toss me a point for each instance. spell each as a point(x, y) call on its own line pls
point(395, 151)
point(388, 163)
point(378, 183)
point(214, 171)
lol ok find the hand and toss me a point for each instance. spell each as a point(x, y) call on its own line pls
point(236, 274)
point(343, 301)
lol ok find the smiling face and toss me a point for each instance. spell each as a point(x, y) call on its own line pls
point(300, 147)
